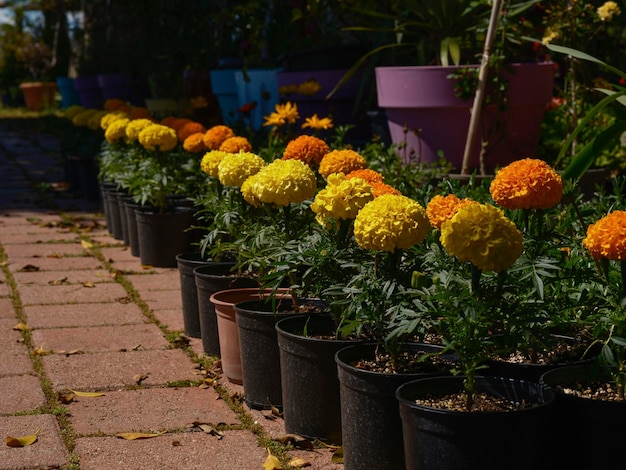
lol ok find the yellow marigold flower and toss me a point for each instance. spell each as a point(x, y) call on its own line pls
point(607, 237)
point(189, 128)
point(315, 122)
point(94, 120)
point(442, 208)
point(216, 135)
point(113, 104)
point(384, 188)
point(607, 11)
point(108, 118)
point(135, 126)
point(527, 184)
point(158, 137)
point(139, 112)
point(235, 168)
point(391, 222)
point(371, 176)
point(248, 193)
point(341, 198)
point(73, 110)
point(549, 36)
point(308, 88)
point(199, 102)
point(236, 144)
point(288, 89)
point(282, 182)
point(482, 235)
point(116, 131)
point(210, 162)
point(81, 119)
point(194, 143)
point(274, 119)
point(341, 161)
point(306, 148)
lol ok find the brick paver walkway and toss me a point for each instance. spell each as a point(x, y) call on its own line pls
point(79, 312)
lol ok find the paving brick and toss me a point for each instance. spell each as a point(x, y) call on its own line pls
point(6, 309)
point(20, 237)
point(74, 293)
point(172, 318)
point(89, 314)
point(114, 370)
point(63, 277)
point(15, 364)
point(101, 338)
point(56, 264)
point(156, 281)
point(47, 452)
point(20, 393)
point(136, 410)
point(43, 250)
point(163, 299)
point(190, 451)
point(119, 255)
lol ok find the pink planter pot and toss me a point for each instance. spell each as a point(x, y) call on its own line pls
point(422, 100)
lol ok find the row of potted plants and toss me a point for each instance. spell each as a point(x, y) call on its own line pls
point(484, 270)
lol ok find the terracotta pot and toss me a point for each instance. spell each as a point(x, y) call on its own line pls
point(38, 95)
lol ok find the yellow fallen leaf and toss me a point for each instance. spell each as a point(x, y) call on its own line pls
point(299, 462)
point(40, 351)
point(86, 245)
point(21, 327)
point(88, 284)
point(271, 462)
point(131, 436)
point(22, 441)
point(87, 394)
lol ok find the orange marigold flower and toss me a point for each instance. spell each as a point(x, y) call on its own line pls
point(114, 104)
point(168, 121)
point(371, 176)
point(194, 143)
point(216, 135)
point(306, 148)
point(443, 208)
point(341, 161)
point(383, 188)
point(607, 237)
point(235, 145)
point(139, 112)
point(178, 123)
point(189, 128)
point(527, 184)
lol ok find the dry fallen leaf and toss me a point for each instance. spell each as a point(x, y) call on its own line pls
point(55, 255)
point(131, 436)
point(29, 268)
point(58, 282)
point(337, 455)
point(87, 394)
point(86, 245)
point(295, 440)
point(88, 284)
point(66, 397)
point(22, 441)
point(21, 327)
point(138, 378)
point(271, 462)
point(299, 462)
point(40, 351)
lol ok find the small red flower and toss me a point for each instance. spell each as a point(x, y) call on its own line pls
point(247, 108)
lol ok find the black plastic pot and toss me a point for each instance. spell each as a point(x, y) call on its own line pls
point(105, 188)
point(163, 235)
point(258, 343)
point(370, 418)
point(209, 279)
point(459, 440)
point(122, 200)
point(186, 263)
point(586, 432)
point(131, 225)
point(115, 229)
point(308, 372)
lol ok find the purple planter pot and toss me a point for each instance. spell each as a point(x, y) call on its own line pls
point(89, 92)
point(423, 99)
